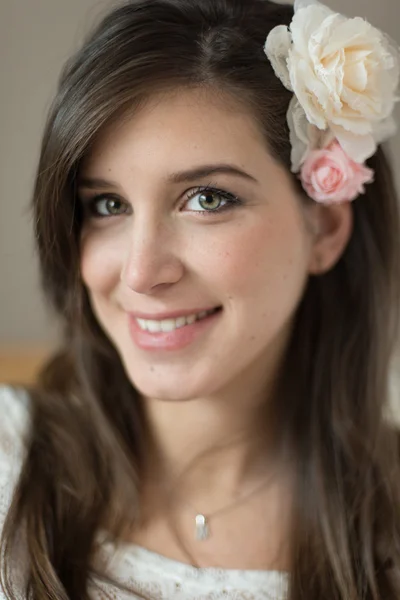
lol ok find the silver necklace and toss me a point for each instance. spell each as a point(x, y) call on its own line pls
point(202, 520)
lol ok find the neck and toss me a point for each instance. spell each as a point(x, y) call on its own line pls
point(226, 442)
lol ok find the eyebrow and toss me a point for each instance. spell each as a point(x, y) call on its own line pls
point(206, 170)
point(178, 177)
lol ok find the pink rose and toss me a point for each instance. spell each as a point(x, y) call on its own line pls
point(330, 175)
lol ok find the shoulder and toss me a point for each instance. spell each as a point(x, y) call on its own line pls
point(15, 411)
point(14, 429)
point(14, 423)
point(15, 403)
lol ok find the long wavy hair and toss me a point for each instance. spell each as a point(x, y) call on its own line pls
point(85, 451)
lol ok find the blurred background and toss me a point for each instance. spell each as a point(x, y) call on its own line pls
point(36, 37)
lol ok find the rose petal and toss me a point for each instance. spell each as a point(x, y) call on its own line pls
point(350, 116)
point(326, 179)
point(305, 23)
point(356, 77)
point(303, 82)
point(277, 48)
point(298, 128)
point(298, 4)
point(357, 54)
point(349, 33)
point(366, 106)
point(324, 33)
point(328, 69)
point(358, 147)
point(330, 176)
point(304, 137)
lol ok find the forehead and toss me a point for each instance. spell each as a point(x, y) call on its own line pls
point(172, 131)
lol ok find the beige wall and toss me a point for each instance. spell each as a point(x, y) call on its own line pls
point(36, 36)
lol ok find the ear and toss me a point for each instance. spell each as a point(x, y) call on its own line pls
point(333, 226)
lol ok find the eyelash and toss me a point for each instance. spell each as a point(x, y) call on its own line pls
point(230, 199)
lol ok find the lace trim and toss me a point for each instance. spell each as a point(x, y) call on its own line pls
point(137, 569)
point(14, 427)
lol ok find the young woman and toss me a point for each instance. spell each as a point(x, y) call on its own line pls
point(218, 231)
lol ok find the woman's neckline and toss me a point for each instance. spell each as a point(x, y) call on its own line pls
point(142, 554)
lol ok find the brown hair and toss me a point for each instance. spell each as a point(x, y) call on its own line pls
point(84, 459)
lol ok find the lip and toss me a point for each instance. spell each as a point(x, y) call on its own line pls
point(170, 315)
point(172, 340)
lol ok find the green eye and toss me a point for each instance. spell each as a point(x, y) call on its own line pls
point(210, 200)
point(108, 207)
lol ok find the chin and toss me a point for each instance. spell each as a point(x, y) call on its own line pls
point(168, 385)
point(162, 391)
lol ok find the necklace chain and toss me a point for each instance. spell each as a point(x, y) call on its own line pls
point(202, 520)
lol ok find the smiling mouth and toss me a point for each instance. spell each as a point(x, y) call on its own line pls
point(169, 325)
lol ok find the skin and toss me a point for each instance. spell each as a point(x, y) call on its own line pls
point(254, 260)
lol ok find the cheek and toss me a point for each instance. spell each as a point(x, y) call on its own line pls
point(100, 263)
point(268, 256)
point(265, 270)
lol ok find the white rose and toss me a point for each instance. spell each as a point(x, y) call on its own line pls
point(343, 72)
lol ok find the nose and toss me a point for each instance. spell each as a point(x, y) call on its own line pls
point(151, 263)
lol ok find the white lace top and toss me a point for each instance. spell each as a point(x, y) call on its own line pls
point(134, 571)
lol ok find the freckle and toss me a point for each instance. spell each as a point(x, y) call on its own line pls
point(151, 369)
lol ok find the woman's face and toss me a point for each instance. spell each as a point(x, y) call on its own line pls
point(187, 212)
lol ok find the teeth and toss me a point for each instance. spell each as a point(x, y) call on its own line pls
point(154, 326)
point(181, 322)
point(168, 325)
point(142, 323)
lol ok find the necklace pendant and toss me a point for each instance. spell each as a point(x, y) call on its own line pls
point(202, 531)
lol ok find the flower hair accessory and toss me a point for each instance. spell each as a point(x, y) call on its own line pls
point(344, 74)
